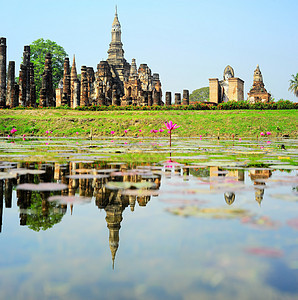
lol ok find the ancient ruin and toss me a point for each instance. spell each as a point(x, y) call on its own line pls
point(258, 93)
point(228, 89)
point(2, 72)
point(46, 92)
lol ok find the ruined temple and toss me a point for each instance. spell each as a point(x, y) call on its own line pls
point(115, 82)
point(230, 88)
point(258, 93)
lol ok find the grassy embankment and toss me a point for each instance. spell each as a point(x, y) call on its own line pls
point(242, 123)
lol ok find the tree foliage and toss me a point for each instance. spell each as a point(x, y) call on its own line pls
point(39, 49)
point(200, 95)
point(294, 85)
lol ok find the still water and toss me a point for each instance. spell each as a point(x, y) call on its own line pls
point(110, 230)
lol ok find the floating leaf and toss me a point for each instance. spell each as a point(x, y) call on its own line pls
point(115, 185)
point(41, 187)
point(262, 251)
point(70, 199)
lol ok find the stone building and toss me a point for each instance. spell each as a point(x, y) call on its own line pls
point(230, 88)
point(116, 82)
point(258, 93)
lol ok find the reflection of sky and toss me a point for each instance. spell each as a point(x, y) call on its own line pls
point(160, 255)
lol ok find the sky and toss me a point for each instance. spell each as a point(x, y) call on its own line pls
point(186, 42)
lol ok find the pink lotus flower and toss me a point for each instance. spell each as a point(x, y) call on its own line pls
point(24, 135)
point(125, 143)
point(155, 130)
point(161, 130)
point(262, 133)
point(8, 136)
point(112, 132)
point(240, 139)
point(12, 131)
point(268, 142)
point(170, 126)
point(47, 143)
point(140, 130)
point(125, 130)
point(268, 133)
point(112, 141)
point(47, 132)
point(77, 133)
point(24, 139)
point(76, 142)
point(152, 130)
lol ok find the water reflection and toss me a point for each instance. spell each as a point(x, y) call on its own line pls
point(112, 186)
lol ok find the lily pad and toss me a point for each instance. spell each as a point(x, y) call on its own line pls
point(41, 187)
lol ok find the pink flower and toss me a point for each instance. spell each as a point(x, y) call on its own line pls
point(140, 142)
point(140, 130)
point(112, 141)
point(268, 133)
point(12, 131)
point(47, 132)
point(24, 135)
point(261, 147)
point(77, 133)
point(200, 135)
point(170, 126)
point(125, 143)
point(47, 143)
point(268, 142)
point(24, 139)
point(125, 130)
point(239, 139)
point(155, 130)
point(262, 133)
point(161, 130)
point(76, 142)
point(200, 138)
point(112, 132)
point(8, 136)
point(152, 130)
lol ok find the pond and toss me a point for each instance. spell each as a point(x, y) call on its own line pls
point(213, 220)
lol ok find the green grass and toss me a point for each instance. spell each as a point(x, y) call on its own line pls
point(242, 123)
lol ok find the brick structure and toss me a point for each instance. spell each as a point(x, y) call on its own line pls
point(2, 72)
point(177, 99)
point(10, 84)
point(84, 87)
point(258, 93)
point(73, 79)
point(228, 89)
point(185, 100)
point(47, 92)
point(66, 94)
point(168, 98)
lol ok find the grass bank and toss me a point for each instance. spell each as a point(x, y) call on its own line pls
point(248, 123)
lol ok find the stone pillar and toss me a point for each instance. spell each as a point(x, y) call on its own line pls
point(73, 79)
point(16, 95)
point(59, 95)
point(84, 87)
point(214, 90)
point(76, 94)
point(26, 63)
point(185, 97)
point(2, 72)
point(90, 79)
point(177, 99)
point(22, 85)
point(114, 95)
point(156, 97)
point(168, 98)
point(32, 87)
point(66, 83)
point(236, 89)
point(47, 92)
point(150, 100)
point(10, 84)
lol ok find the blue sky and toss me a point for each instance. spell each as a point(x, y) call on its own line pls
point(186, 42)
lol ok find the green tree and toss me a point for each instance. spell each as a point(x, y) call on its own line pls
point(294, 85)
point(200, 95)
point(38, 50)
